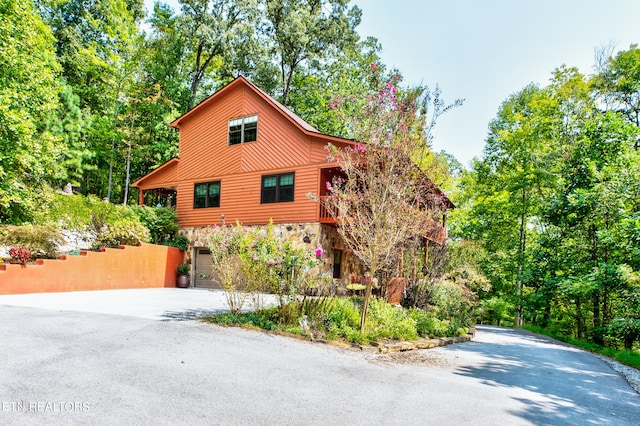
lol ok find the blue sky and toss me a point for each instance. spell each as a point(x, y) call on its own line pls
point(483, 51)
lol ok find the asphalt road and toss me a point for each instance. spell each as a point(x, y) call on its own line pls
point(73, 367)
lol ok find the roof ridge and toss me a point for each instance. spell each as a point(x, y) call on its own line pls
point(286, 110)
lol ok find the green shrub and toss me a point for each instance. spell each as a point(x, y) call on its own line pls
point(77, 212)
point(122, 232)
point(161, 222)
point(181, 242)
point(254, 260)
point(25, 205)
point(42, 241)
point(386, 321)
point(625, 329)
point(265, 319)
point(461, 331)
point(183, 269)
point(427, 325)
point(339, 318)
point(496, 310)
point(346, 312)
point(344, 321)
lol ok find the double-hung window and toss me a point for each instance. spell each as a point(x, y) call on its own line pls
point(277, 188)
point(206, 195)
point(243, 130)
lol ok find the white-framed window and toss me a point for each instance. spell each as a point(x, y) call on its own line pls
point(244, 129)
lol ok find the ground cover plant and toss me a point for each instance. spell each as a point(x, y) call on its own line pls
point(251, 262)
point(340, 320)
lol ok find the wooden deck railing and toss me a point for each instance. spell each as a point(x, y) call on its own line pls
point(324, 216)
point(435, 232)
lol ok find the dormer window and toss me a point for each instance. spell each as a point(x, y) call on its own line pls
point(243, 130)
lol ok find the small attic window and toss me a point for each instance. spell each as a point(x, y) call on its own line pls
point(243, 130)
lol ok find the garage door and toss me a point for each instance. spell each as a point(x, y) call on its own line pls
point(203, 267)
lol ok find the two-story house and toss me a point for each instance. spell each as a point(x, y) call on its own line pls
point(245, 157)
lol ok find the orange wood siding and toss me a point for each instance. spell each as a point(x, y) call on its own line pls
point(318, 154)
point(240, 200)
point(281, 147)
point(162, 177)
point(204, 149)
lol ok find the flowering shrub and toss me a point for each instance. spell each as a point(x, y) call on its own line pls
point(250, 261)
point(20, 253)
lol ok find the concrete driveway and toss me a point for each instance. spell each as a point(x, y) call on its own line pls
point(153, 303)
point(62, 364)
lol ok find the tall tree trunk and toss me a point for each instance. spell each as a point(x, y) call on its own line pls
point(547, 315)
point(579, 319)
point(199, 70)
point(595, 297)
point(517, 320)
point(113, 138)
point(128, 176)
point(367, 294)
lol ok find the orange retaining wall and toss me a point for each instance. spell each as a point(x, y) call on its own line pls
point(143, 266)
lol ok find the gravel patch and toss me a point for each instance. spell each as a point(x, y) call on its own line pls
point(435, 357)
point(631, 375)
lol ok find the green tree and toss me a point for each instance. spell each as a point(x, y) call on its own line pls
point(618, 84)
point(554, 204)
point(588, 212)
point(71, 124)
point(306, 31)
point(345, 80)
point(29, 90)
point(383, 200)
point(98, 46)
point(515, 171)
point(212, 31)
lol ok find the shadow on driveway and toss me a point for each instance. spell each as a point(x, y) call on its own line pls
point(190, 314)
point(558, 384)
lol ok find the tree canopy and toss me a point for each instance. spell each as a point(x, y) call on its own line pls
point(553, 203)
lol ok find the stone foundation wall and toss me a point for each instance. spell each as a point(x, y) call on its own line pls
point(306, 236)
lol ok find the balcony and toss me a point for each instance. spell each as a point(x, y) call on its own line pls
point(433, 231)
point(323, 213)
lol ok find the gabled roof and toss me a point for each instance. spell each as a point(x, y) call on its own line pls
point(286, 112)
point(308, 127)
point(166, 167)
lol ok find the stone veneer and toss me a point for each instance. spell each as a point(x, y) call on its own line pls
point(306, 236)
